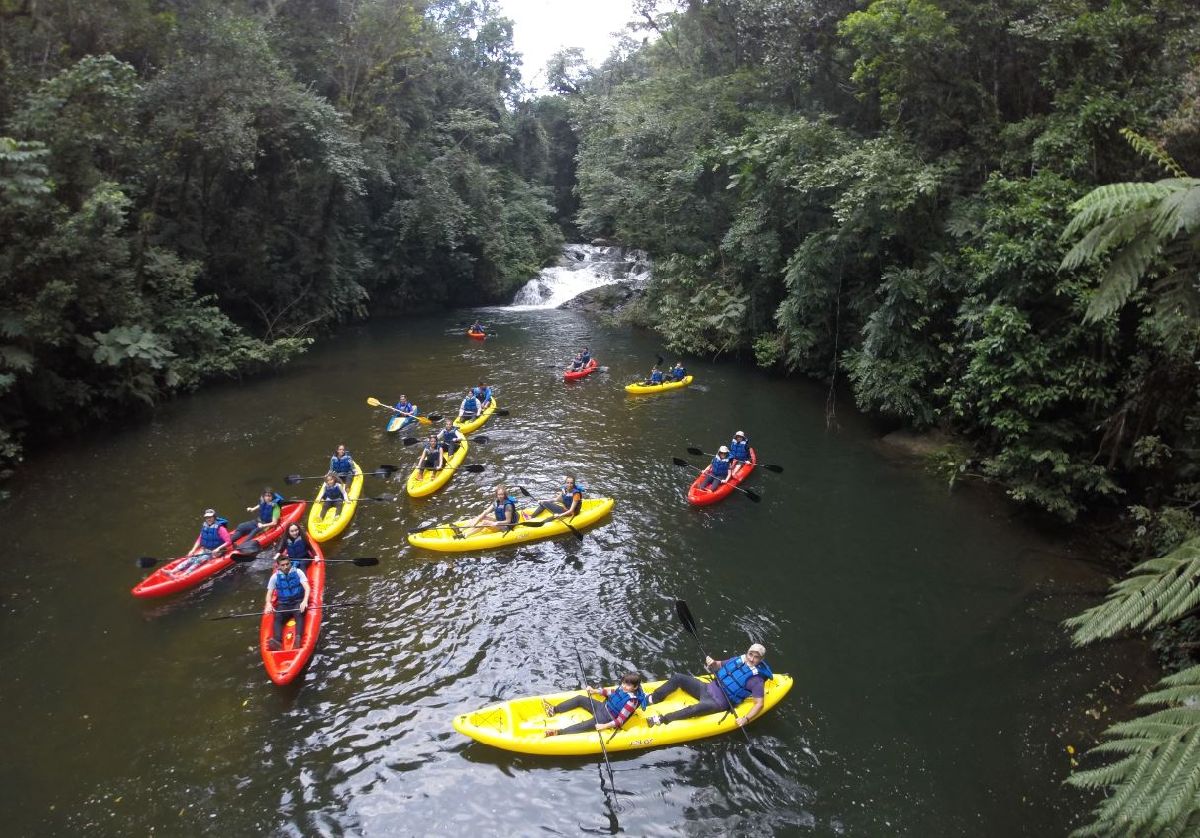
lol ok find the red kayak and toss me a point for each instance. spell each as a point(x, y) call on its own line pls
point(588, 369)
point(285, 664)
point(161, 582)
point(703, 497)
point(477, 335)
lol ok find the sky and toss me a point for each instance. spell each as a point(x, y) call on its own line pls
point(543, 27)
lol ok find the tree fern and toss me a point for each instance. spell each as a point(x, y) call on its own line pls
point(1157, 783)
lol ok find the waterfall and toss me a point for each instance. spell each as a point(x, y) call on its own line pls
point(582, 267)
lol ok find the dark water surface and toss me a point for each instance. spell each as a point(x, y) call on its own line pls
point(934, 691)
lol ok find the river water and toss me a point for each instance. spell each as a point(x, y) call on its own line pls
point(935, 693)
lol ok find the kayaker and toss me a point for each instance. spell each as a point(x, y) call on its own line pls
point(585, 356)
point(296, 547)
point(577, 362)
point(450, 437)
point(268, 513)
point(333, 495)
point(431, 455)
point(484, 393)
point(290, 589)
point(342, 464)
point(739, 452)
point(476, 327)
point(656, 376)
point(214, 539)
point(469, 409)
point(612, 710)
point(405, 408)
point(568, 503)
point(717, 472)
point(734, 680)
point(503, 510)
point(677, 372)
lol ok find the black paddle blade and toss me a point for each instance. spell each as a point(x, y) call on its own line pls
point(658, 360)
point(523, 491)
point(147, 561)
point(774, 468)
point(695, 451)
point(293, 478)
point(750, 495)
point(500, 411)
point(680, 462)
point(366, 561)
point(387, 468)
point(685, 615)
point(248, 548)
point(386, 497)
point(479, 439)
point(410, 440)
point(434, 417)
point(475, 468)
point(244, 557)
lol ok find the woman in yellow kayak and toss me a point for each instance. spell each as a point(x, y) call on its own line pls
point(431, 456)
point(504, 512)
point(450, 438)
point(734, 681)
point(333, 495)
point(567, 504)
point(470, 407)
point(611, 709)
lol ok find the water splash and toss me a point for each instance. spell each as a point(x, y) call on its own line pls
point(582, 267)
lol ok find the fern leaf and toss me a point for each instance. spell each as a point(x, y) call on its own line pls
point(1152, 152)
point(1177, 788)
point(1180, 211)
point(1111, 201)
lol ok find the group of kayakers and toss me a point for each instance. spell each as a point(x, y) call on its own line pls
point(677, 372)
point(728, 462)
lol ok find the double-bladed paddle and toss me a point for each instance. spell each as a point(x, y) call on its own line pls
point(412, 440)
point(680, 462)
point(361, 561)
point(424, 420)
point(384, 470)
point(564, 521)
point(689, 623)
point(767, 466)
point(599, 735)
point(285, 610)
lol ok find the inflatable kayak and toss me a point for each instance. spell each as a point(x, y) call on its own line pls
point(477, 335)
point(641, 388)
point(520, 725)
point(283, 665)
point(419, 487)
point(703, 497)
point(161, 582)
point(324, 527)
point(588, 369)
point(472, 425)
point(444, 538)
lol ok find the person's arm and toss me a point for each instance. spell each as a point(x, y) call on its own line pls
point(304, 585)
point(630, 706)
point(226, 539)
point(755, 685)
point(268, 607)
point(195, 547)
point(510, 515)
point(572, 510)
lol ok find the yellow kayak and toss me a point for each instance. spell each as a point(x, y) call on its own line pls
point(520, 725)
point(419, 487)
point(476, 423)
point(330, 526)
point(641, 388)
point(443, 538)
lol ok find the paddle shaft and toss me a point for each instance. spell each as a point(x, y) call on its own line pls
point(284, 611)
point(599, 734)
point(756, 464)
point(689, 623)
point(564, 521)
point(746, 492)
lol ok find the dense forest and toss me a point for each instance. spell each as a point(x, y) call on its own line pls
point(976, 217)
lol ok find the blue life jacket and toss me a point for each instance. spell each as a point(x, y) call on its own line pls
point(502, 507)
point(734, 674)
point(568, 498)
point(289, 590)
point(720, 468)
point(266, 510)
point(739, 450)
point(678, 373)
point(470, 406)
point(408, 408)
point(616, 702)
point(448, 439)
point(334, 492)
point(210, 537)
point(656, 377)
point(585, 357)
point(342, 465)
point(297, 549)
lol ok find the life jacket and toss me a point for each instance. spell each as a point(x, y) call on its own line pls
point(656, 377)
point(617, 701)
point(266, 509)
point(408, 407)
point(568, 498)
point(210, 537)
point(448, 439)
point(720, 468)
point(334, 492)
point(288, 587)
point(584, 358)
point(470, 406)
point(297, 548)
point(678, 373)
point(734, 674)
point(342, 465)
point(739, 450)
point(501, 508)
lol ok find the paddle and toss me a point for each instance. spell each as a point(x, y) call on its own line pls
point(599, 735)
point(412, 440)
point(384, 498)
point(361, 561)
point(689, 623)
point(574, 531)
point(384, 470)
point(151, 561)
point(424, 420)
point(677, 461)
point(285, 611)
point(767, 466)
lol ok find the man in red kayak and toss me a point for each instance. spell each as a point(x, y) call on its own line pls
point(287, 597)
point(214, 539)
point(739, 452)
point(734, 681)
point(718, 472)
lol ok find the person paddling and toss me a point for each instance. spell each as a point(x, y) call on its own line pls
point(717, 471)
point(268, 514)
point(431, 456)
point(214, 540)
point(469, 409)
point(476, 327)
point(333, 495)
point(656, 375)
point(616, 705)
point(450, 437)
point(677, 372)
point(734, 681)
point(296, 547)
point(584, 356)
point(341, 464)
point(569, 502)
point(503, 512)
point(577, 362)
point(290, 589)
point(407, 409)
point(739, 452)
point(483, 393)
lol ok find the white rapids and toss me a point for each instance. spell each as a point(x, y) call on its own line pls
point(581, 267)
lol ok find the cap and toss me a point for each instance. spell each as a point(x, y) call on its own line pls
point(758, 647)
point(722, 450)
point(210, 513)
point(740, 433)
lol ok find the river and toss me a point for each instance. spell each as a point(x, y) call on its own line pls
point(935, 691)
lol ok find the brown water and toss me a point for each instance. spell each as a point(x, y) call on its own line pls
point(935, 692)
